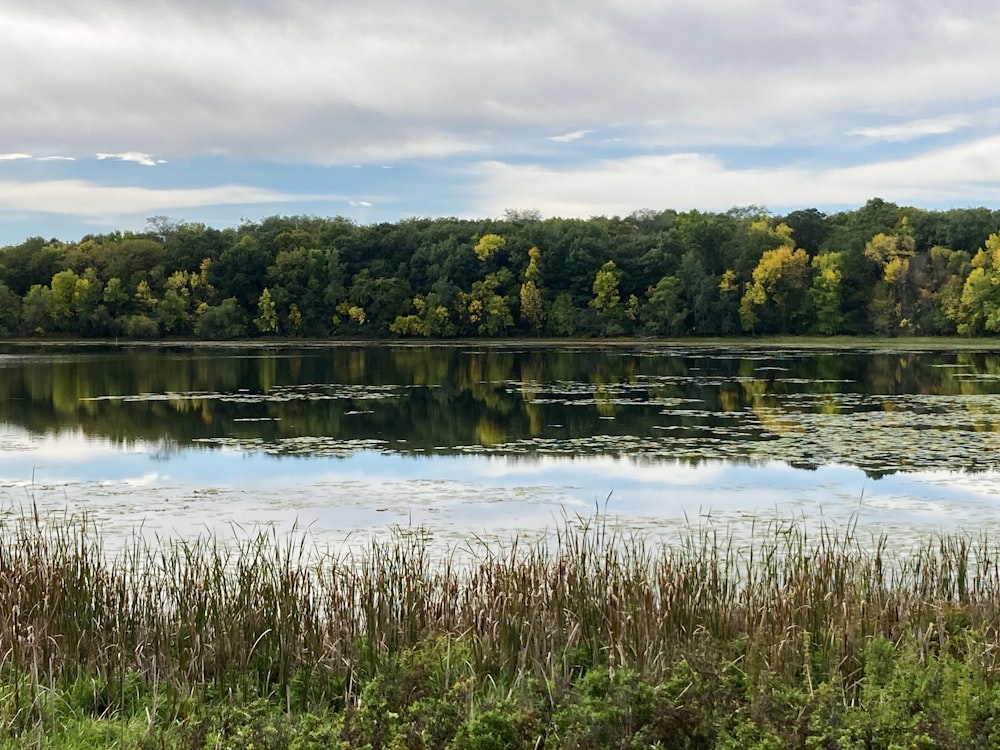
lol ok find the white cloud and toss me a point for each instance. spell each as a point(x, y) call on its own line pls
point(82, 198)
point(360, 204)
point(137, 157)
point(569, 137)
point(22, 157)
point(969, 173)
point(907, 131)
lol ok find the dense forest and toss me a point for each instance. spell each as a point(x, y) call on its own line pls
point(882, 269)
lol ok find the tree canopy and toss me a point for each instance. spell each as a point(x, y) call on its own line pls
point(880, 269)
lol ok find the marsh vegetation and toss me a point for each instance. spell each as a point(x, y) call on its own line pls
point(589, 638)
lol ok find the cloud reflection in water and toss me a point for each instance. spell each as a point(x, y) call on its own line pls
point(185, 491)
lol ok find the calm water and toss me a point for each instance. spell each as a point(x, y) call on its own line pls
point(349, 440)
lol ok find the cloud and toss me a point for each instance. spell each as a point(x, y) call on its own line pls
point(361, 204)
point(29, 157)
point(568, 137)
point(963, 174)
point(394, 79)
point(907, 131)
point(137, 157)
point(87, 199)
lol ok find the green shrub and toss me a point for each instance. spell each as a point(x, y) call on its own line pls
point(140, 327)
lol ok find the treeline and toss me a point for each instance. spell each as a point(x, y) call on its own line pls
point(881, 269)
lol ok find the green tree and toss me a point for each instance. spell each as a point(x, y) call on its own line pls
point(187, 244)
point(336, 277)
point(89, 301)
point(966, 229)
point(700, 295)
point(826, 293)
point(607, 302)
point(663, 313)
point(172, 313)
point(132, 259)
point(939, 295)
point(116, 297)
point(34, 261)
point(809, 229)
point(485, 307)
point(223, 321)
point(241, 269)
point(74, 302)
point(174, 309)
point(381, 298)
point(891, 305)
point(605, 287)
point(430, 319)
point(36, 309)
point(300, 276)
point(140, 326)
point(10, 311)
point(62, 302)
point(563, 315)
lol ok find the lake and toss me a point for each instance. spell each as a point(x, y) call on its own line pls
point(472, 440)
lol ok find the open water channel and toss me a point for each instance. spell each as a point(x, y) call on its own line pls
point(486, 441)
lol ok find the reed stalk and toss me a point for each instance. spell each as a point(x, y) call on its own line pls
point(267, 615)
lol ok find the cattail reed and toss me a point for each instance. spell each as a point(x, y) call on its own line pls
point(273, 616)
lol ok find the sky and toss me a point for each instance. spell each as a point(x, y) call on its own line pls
point(229, 111)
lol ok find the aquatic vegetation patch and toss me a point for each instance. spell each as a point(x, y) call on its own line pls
point(277, 394)
point(307, 445)
point(876, 442)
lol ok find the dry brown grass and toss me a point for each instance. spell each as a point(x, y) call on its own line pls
point(199, 615)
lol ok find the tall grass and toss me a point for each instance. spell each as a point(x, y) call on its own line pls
point(201, 619)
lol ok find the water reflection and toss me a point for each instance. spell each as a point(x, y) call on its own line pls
point(352, 438)
point(806, 407)
point(461, 496)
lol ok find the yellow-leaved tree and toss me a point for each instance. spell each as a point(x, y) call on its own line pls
point(979, 307)
point(532, 309)
point(777, 291)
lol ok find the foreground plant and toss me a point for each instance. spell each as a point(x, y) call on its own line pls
point(589, 638)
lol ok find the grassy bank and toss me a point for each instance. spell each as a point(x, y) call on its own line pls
point(590, 639)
